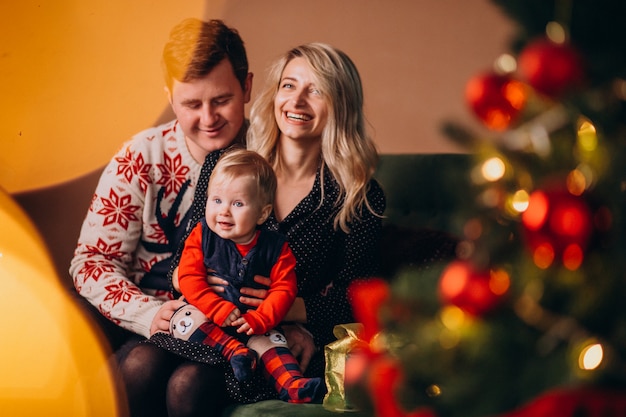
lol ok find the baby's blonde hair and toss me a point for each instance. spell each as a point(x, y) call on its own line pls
point(242, 162)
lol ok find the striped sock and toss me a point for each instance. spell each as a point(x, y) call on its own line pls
point(283, 371)
point(242, 359)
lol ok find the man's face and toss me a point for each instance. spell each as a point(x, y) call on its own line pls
point(210, 110)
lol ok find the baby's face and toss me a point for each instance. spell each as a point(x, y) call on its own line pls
point(233, 209)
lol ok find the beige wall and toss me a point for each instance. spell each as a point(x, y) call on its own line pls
point(79, 78)
point(414, 56)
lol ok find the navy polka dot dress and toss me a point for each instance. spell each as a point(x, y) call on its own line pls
point(328, 260)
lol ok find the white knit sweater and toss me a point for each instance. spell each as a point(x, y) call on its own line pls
point(121, 239)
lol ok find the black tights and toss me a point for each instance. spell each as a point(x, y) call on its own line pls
point(160, 383)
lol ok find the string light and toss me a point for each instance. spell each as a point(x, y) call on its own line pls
point(493, 169)
point(591, 357)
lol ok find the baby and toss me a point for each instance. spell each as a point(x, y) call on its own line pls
point(229, 244)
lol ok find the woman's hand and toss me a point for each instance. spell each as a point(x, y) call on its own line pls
point(161, 320)
point(255, 296)
point(300, 343)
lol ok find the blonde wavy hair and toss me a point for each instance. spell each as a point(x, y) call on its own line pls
point(348, 151)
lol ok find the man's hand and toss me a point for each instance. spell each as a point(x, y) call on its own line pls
point(161, 320)
point(300, 343)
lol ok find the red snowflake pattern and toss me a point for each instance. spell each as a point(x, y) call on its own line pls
point(111, 251)
point(126, 165)
point(118, 210)
point(173, 173)
point(147, 265)
point(131, 165)
point(94, 269)
point(121, 291)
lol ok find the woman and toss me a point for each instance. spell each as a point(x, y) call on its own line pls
point(309, 124)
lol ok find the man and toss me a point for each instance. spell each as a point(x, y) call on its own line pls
point(141, 209)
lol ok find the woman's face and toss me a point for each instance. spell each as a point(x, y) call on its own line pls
point(299, 107)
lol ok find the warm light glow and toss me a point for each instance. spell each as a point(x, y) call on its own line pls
point(573, 257)
point(587, 137)
point(454, 279)
point(48, 108)
point(515, 93)
point(569, 220)
point(433, 391)
point(51, 359)
point(520, 201)
point(452, 317)
point(499, 281)
point(576, 182)
point(591, 357)
point(493, 169)
point(556, 32)
point(543, 255)
point(505, 63)
point(537, 212)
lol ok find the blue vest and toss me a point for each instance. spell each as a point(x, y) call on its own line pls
point(222, 256)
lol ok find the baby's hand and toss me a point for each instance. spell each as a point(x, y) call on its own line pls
point(232, 317)
point(243, 326)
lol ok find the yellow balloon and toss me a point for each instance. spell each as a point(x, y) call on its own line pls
point(52, 360)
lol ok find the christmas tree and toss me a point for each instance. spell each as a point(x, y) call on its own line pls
point(529, 318)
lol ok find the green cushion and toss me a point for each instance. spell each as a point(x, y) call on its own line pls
point(423, 189)
point(276, 408)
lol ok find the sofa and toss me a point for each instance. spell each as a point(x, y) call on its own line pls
point(419, 227)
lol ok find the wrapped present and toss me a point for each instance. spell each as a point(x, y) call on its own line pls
point(337, 355)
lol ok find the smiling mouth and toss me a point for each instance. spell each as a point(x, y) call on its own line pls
point(298, 116)
point(212, 130)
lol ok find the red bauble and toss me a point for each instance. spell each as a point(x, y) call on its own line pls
point(551, 68)
point(496, 99)
point(475, 292)
point(568, 402)
point(367, 297)
point(557, 225)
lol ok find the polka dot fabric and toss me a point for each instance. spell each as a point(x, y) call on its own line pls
point(328, 260)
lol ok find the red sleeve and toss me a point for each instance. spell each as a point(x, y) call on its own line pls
point(280, 297)
point(193, 284)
